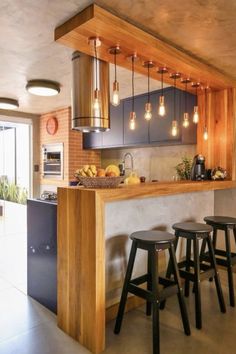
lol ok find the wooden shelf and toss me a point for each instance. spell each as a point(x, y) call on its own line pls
point(112, 30)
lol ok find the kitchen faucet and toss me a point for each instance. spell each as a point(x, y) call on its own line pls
point(124, 168)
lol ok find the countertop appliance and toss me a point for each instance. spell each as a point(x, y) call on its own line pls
point(198, 171)
point(53, 161)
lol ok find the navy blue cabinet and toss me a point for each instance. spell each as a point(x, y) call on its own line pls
point(140, 134)
point(114, 137)
point(42, 252)
point(155, 132)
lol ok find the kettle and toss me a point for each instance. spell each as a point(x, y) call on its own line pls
point(198, 170)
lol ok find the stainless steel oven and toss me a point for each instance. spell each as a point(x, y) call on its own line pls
point(53, 161)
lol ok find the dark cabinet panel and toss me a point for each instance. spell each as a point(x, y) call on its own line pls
point(140, 134)
point(160, 127)
point(189, 135)
point(42, 253)
point(114, 137)
point(92, 140)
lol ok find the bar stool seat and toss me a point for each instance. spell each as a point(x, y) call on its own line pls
point(195, 270)
point(152, 242)
point(224, 257)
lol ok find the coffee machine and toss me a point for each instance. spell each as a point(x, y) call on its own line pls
point(198, 171)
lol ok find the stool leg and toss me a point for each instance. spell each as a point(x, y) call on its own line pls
point(214, 244)
point(216, 277)
point(155, 304)
point(182, 305)
point(149, 285)
point(124, 294)
point(229, 267)
point(169, 270)
point(198, 311)
point(187, 268)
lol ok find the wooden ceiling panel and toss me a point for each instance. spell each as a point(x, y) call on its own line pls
point(112, 30)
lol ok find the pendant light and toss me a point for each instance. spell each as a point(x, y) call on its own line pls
point(162, 109)
point(205, 132)
point(132, 116)
point(174, 125)
point(195, 111)
point(185, 81)
point(115, 101)
point(148, 105)
point(95, 42)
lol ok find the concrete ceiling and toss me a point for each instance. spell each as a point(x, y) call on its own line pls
point(204, 28)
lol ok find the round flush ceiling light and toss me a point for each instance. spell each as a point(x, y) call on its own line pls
point(43, 87)
point(8, 103)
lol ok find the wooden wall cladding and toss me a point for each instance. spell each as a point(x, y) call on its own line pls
point(219, 149)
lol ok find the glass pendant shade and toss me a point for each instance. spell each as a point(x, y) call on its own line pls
point(186, 120)
point(205, 134)
point(96, 103)
point(132, 120)
point(162, 108)
point(148, 111)
point(195, 115)
point(174, 128)
point(115, 94)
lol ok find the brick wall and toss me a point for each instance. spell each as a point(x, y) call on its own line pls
point(74, 155)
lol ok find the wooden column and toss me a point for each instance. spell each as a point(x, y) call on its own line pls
point(81, 267)
point(219, 149)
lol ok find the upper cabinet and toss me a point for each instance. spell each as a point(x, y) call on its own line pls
point(155, 132)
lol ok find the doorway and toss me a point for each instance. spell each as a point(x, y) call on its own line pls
point(15, 188)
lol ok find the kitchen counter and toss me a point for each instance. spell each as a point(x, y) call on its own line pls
point(155, 189)
point(93, 245)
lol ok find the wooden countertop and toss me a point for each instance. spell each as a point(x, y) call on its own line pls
point(155, 189)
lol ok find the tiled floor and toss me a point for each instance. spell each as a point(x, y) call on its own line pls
point(28, 328)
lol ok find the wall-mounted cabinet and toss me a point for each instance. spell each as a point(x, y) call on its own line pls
point(155, 132)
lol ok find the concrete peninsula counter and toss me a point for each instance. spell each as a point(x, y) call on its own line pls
point(93, 244)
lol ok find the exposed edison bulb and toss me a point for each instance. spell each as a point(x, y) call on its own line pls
point(132, 120)
point(205, 134)
point(96, 104)
point(148, 111)
point(162, 108)
point(195, 115)
point(186, 120)
point(174, 128)
point(115, 94)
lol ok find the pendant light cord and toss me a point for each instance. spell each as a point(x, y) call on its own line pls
point(185, 97)
point(174, 97)
point(205, 107)
point(96, 65)
point(148, 83)
point(132, 83)
point(162, 90)
point(115, 64)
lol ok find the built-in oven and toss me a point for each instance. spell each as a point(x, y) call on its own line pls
point(53, 161)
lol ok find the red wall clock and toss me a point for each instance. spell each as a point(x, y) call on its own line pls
point(52, 125)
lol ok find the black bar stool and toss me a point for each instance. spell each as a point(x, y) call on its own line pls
point(153, 242)
point(194, 233)
point(226, 258)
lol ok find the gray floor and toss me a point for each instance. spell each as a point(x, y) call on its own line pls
point(28, 328)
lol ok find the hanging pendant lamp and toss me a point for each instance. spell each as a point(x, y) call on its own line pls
point(195, 111)
point(115, 100)
point(132, 117)
point(174, 125)
point(162, 109)
point(148, 105)
point(185, 81)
